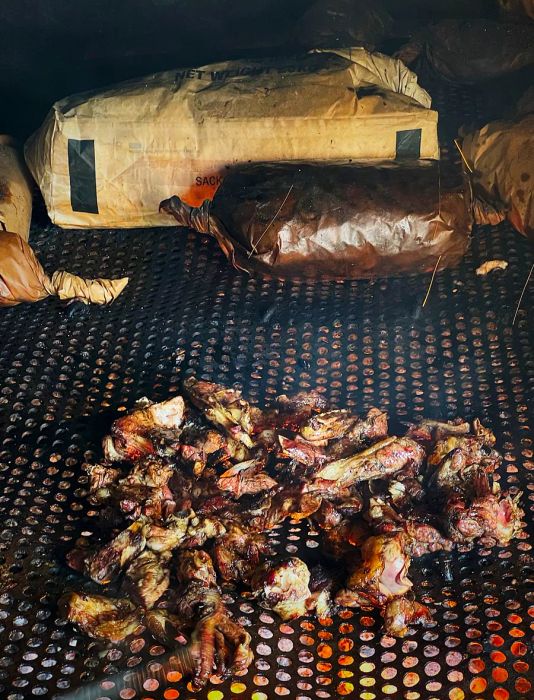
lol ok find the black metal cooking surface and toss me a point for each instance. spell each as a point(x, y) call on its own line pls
point(64, 373)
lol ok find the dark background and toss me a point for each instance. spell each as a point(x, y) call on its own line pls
point(52, 48)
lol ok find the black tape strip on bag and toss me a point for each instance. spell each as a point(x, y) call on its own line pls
point(408, 144)
point(82, 176)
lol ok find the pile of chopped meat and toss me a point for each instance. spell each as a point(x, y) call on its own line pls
point(188, 492)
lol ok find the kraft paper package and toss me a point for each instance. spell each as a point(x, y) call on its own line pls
point(22, 278)
point(15, 189)
point(107, 159)
point(500, 157)
point(337, 221)
point(472, 51)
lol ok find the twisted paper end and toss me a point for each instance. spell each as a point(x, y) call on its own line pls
point(98, 291)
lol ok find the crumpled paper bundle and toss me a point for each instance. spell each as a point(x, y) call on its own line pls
point(22, 278)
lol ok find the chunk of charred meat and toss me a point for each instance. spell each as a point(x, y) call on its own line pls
point(238, 553)
point(291, 412)
point(202, 529)
point(147, 578)
point(105, 564)
point(284, 587)
point(428, 431)
point(385, 457)
point(145, 490)
point(142, 431)
point(165, 627)
point(110, 619)
point(195, 565)
point(315, 454)
point(489, 513)
point(454, 459)
point(421, 537)
point(382, 574)
point(151, 471)
point(287, 502)
point(322, 583)
point(334, 511)
point(223, 407)
point(400, 613)
point(169, 535)
point(302, 452)
point(373, 427)
point(218, 644)
point(343, 540)
point(326, 426)
point(200, 447)
point(246, 477)
point(101, 477)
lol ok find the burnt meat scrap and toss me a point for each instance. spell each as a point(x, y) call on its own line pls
point(195, 484)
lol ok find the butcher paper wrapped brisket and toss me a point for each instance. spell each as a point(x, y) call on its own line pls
point(334, 221)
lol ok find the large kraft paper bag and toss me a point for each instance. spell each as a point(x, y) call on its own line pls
point(107, 159)
point(15, 189)
point(500, 157)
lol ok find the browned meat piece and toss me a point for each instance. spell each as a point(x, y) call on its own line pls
point(454, 459)
point(139, 433)
point(200, 530)
point(147, 578)
point(218, 644)
point(488, 513)
point(483, 433)
point(342, 540)
point(284, 587)
point(196, 565)
point(329, 425)
point(145, 491)
point(287, 502)
point(381, 575)
point(291, 412)
point(334, 511)
point(166, 537)
point(364, 431)
point(399, 613)
point(321, 586)
point(302, 451)
point(246, 477)
point(206, 446)
point(101, 477)
point(385, 457)
point(238, 553)
point(428, 430)
point(223, 407)
point(105, 564)
point(165, 627)
point(109, 619)
point(314, 454)
point(327, 516)
point(151, 471)
point(421, 537)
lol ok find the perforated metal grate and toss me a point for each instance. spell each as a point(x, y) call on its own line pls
point(63, 377)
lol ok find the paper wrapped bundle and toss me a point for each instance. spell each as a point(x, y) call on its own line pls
point(471, 51)
point(334, 221)
point(22, 278)
point(500, 157)
point(15, 189)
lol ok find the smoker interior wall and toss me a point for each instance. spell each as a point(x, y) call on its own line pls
point(51, 48)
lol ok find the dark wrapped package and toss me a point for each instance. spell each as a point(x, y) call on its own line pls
point(471, 51)
point(331, 23)
point(337, 221)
